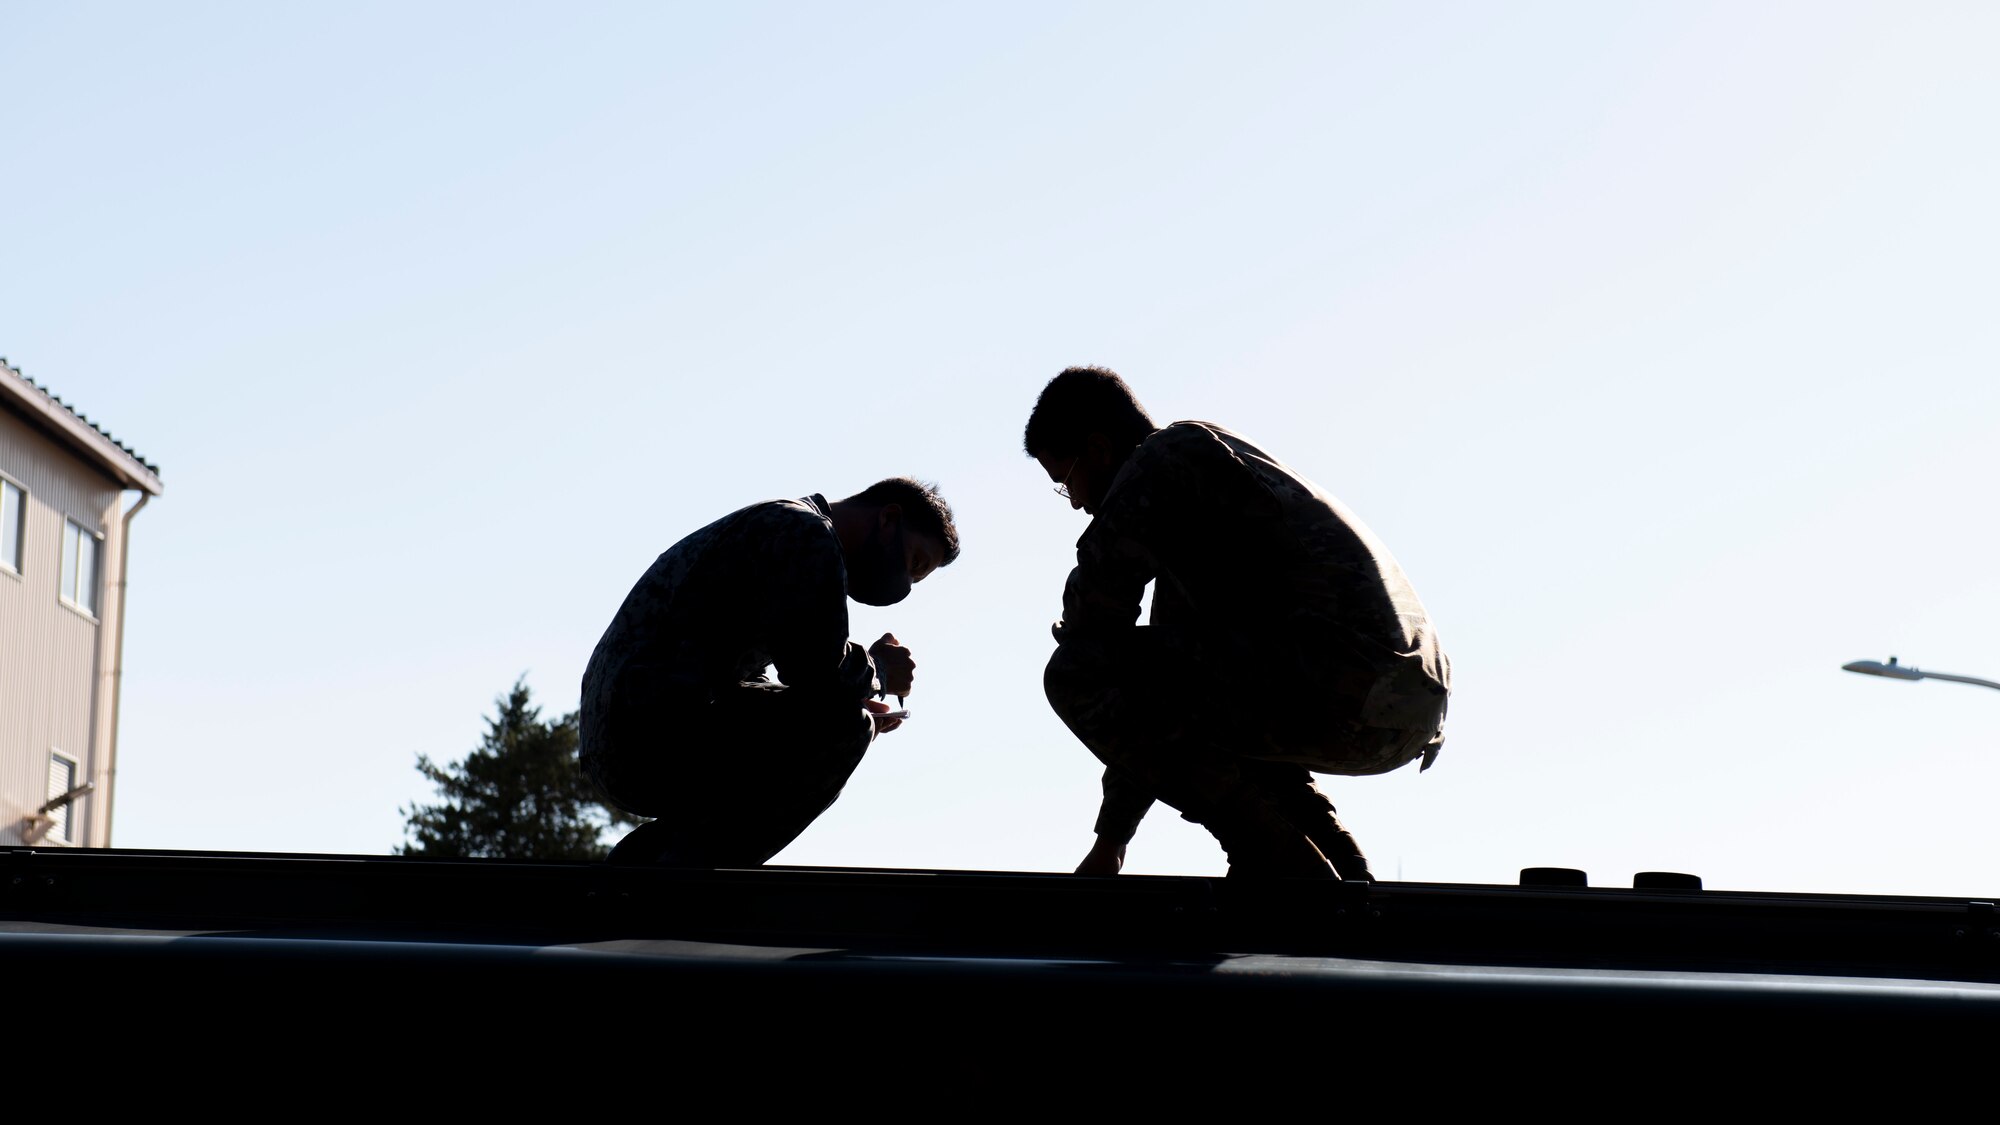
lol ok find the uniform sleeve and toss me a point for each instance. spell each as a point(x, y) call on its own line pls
point(1126, 803)
point(804, 580)
point(1159, 504)
point(1115, 558)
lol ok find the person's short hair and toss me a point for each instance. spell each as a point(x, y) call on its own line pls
point(1083, 401)
point(923, 509)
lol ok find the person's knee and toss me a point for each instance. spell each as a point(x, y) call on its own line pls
point(1069, 679)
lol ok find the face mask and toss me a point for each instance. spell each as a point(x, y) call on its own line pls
point(882, 575)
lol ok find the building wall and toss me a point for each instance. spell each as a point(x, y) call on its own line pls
point(54, 692)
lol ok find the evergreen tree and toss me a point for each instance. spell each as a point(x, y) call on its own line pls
point(520, 795)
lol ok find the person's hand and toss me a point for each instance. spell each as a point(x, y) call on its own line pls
point(879, 711)
point(893, 666)
point(1105, 858)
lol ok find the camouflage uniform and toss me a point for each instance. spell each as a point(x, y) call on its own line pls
point(1284, 640)
point(679, 720)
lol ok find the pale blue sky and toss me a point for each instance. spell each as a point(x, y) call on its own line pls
point(1658, 341)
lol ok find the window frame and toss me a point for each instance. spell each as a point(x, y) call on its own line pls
point(63, 574)
point(18, 566)
point(63, 822)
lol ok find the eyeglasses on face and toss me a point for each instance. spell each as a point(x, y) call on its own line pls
point(1062, 489)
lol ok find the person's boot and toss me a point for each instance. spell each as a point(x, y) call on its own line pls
point(1262, 843)
point(643, 845)
point(1313, 814)
point(1301, 802)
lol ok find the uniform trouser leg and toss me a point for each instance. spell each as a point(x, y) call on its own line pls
point(731, 783)
point(1156, 705)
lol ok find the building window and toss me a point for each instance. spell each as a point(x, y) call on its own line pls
point(13, 524)
point(63, 820)
point(79, 572)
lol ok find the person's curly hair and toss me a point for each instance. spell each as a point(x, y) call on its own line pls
point(1083, 401)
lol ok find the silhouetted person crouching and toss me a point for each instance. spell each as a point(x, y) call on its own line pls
point(679, 720)
point(1284, 639)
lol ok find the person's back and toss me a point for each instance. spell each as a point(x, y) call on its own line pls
point(715, 609)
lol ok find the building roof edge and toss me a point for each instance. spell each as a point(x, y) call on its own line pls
point(86, 437)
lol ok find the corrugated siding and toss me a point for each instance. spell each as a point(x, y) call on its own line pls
point(50, 689)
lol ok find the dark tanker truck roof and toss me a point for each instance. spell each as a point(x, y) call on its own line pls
point(909, 961)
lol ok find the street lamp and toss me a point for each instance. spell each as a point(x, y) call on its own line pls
point(1897, 671)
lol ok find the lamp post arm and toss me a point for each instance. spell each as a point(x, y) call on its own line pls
point(1960, 679)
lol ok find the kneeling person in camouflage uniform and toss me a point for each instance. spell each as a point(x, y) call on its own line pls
point(1284, 639)
point(679, 720)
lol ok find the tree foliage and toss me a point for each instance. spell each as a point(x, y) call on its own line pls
point(520, 795)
